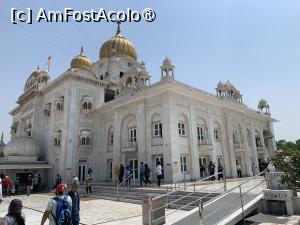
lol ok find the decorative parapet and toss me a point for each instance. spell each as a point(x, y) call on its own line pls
point(274, 181)
point(278, 195)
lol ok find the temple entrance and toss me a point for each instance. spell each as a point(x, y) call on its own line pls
point(203, 163)
point(82, 171)
point(134, 165)
point(157, 159)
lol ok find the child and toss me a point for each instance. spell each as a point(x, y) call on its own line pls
point(13, 190)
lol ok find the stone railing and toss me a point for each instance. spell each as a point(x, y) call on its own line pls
point(85, 148)
point(260, 149)
point(204, 142)
point(129, 147)
point(238, 146)
point(157, 140)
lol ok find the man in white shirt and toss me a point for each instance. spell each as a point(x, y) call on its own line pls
point(158, 173)
point(50, 211)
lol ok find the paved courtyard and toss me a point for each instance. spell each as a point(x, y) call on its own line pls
point(99, 211)
point(93, 211)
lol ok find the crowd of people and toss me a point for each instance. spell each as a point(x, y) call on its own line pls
point(63, 209)
point(211, 169)
point(10, 187)
point(144, 174)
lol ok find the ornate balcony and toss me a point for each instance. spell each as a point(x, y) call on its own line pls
point(157, 141)
point(85, 149)
point(204, 147)
point(260, 149)
point(204, 142)
point(129, 147)
point(238, 147)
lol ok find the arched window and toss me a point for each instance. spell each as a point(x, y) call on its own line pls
point(86, 102)
point(55, 142)
point(217, 132)
point(83, 141)
point(59, 106)
point(85, 105)
point(121, 74)
point(202, 132)
point(101, 77)
point(85, 138)
point(258, 139)
point(59, 103)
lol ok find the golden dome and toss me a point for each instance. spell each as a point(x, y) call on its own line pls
point(118, 46)
point(81, 61)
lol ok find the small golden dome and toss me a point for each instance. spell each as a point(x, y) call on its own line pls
point(81, 61)
point(118, 46)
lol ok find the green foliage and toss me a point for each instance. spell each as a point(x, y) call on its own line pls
point(287, 160)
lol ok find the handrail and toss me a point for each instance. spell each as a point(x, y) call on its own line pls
point(246, 181)
point(197, 200)
point(187, 195)
point(192, 184)
point(169, 203)
point(122, 183)
point(200, 198)
point(241, 196)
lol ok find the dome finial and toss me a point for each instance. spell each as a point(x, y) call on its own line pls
point(81, 50)
point(1, 140)
point(118, 27)
point(38, 68)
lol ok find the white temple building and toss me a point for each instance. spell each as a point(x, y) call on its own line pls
point(105, 113)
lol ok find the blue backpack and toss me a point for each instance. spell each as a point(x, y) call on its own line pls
point(63, 211)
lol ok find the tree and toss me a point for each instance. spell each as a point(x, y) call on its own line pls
point(287, 160)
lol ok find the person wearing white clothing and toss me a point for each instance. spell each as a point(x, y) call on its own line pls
point(158, 173)
point(271, 167)
point(0, 188)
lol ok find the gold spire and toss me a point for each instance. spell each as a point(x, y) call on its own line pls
point(118, 28)
point(81, 50)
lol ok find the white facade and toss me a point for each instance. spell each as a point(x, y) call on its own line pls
point(108, 113)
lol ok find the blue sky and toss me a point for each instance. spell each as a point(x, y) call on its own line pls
point(255, 44)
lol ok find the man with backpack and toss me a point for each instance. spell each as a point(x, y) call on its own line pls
point(59, 208)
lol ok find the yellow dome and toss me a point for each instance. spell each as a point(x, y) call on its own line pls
point(118, 46)
point(81, 61)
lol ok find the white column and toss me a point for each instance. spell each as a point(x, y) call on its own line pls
point(193, 145)
point(141, 133)
point(247, 166)
point(254, 149)
point(117, 146)
point(230, 168)
point(169, 129)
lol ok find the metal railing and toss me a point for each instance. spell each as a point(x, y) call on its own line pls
point(188, 194)
point(126, 184)
point(241, 198)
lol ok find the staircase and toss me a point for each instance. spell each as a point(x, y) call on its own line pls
point(135, 195)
